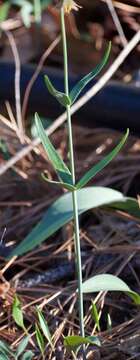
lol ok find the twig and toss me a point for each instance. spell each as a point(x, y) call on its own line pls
point(36, 73)
point(83, 100)
point(12, 125)
point(126, 7)
point(11, 24)
point(12, 118)
point(17, 84)
point(117, 22)
point(8, 264)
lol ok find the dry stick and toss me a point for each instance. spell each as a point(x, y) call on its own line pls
point(12, 125)
point(125, 7)
point(36, 73)
point(117, 22)
point(12, 118)
point(17, 85)
point(82, 101)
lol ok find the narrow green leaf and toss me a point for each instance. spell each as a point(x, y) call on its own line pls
point(40, 339)
point(29, 355)
point(109, 322)
point(108, 282)
point(60, 167)
point(134, 296)
point(46, 123)
point(61, 212)
point(130, 206)
point(75, 92)
point(73, 342)
point(17, 313)
point(101, 164)
point(44, 327)
point(61, 184)
point(22, 346)
point(95, 316)
point(62, 98)
point(4, 9)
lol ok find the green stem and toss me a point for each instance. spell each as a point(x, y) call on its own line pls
point(37, 11)
point(74, 193)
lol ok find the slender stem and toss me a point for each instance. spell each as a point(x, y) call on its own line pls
point(74, 193)
point(37, 11)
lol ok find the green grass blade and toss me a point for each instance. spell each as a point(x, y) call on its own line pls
point(40, 339)
point(44, 327)
point(60, 167)
point(4, 9)
point(62, 98)
point(101, 164)
point(61, 212)
point(108, 282)
point(95, 316)
point(75, 92)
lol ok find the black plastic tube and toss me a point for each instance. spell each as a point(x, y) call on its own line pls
point(117, 105)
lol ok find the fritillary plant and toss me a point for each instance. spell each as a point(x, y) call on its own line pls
point(78, 198)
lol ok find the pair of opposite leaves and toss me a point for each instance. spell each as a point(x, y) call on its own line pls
point(58, 164)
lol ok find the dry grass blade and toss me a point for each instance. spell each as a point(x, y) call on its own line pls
point(17, 85)
point(117, 22)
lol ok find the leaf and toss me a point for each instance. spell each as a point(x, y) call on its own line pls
point(5, 348)
point(44, 327)
point(46, 122)
point(61, 184)
point(17, 313)
point(73, 342)
point(131, 206)
point(134, 296)
point(108, 282)
point(101, 164)
point(75, 92)
point(3, 356)
point(58, 164)
point(4, 9)
point(40, 339)
point(61, 212)
point(22, 346)
point(28, 355)
point(95, 316)
point(26, 14)
point(62, 98)
point(26, 10)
